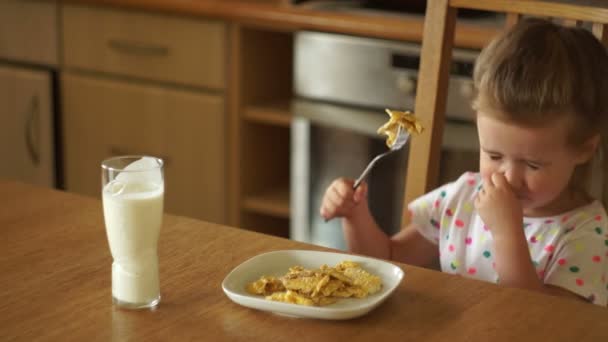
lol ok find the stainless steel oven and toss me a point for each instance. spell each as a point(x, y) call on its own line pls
point(342, 85)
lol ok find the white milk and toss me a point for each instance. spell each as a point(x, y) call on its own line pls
point(133, 216)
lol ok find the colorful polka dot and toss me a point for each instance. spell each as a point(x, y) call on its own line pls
point(549, 221)
point(472, 270)
point(467, 207)
point(443, 194)
point(436, 204)
point(598, 230)
point(459, 223)
point(445, 222)
point(596, 258)
point(574, 269)
point(598, 217)
point(468, 241)
point(449, 212)
point(451, 248)
point(549, 248)
point(533, 239)
point(580, 282)
point(561, 261)
point(487, 254)
point(434, 223)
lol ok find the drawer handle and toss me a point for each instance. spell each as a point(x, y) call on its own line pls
point(118, 151)
point(32, 131)
point(140, 49)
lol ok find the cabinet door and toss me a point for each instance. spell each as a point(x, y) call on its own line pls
point(26, 126)
point(103, 117)
point(28, 31)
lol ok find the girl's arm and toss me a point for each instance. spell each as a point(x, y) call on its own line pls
point(363, 236)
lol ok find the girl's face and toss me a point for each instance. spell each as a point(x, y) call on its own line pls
point(536, 161)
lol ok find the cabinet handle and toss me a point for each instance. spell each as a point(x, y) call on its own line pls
point(137, 48)
point(32, 131)
point(119, 151)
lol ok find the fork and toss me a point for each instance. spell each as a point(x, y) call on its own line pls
point(400, 141)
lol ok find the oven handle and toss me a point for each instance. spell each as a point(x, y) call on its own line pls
point(360, 120)
point(460, 136)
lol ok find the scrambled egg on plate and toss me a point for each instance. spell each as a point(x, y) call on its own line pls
point(318, 287)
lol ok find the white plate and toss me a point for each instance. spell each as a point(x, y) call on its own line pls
point(277, 263)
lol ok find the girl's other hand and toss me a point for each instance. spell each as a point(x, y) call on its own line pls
point(341, 200)
point(498, 205)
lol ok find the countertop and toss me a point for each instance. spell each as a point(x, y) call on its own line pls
point(282, 16)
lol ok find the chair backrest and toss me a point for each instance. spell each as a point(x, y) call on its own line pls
point(435, 61)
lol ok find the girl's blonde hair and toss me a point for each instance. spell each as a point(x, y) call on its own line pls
point(539, 71)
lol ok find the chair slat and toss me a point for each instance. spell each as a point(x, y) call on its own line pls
point(601, 32)
point(512, 19)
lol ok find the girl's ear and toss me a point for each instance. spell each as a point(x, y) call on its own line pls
point(588, 149)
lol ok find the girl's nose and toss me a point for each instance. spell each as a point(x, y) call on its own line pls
point(513, 176)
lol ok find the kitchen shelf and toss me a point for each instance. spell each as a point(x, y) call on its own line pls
point(274, 202)
point(275, 113)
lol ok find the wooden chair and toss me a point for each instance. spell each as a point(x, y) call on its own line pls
point(438, 38)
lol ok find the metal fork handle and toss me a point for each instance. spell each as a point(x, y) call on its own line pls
point(369, 167)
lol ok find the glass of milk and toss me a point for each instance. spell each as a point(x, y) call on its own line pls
point(132, 191)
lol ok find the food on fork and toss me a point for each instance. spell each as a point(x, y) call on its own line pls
point(318, 287)
point(406, 120)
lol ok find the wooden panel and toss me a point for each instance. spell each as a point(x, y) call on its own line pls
point(103, 118)
point(28, 31)
point(275, 17)
point(584, 10)
point(572, 23)
point(234, 130)
point(273, 202)
point(431, 96)
point(154, 47)
point(26, 126)
point(275, 113)
point(265, 158)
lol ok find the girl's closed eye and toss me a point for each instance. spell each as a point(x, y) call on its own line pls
point(533, 166)
point(493, 155)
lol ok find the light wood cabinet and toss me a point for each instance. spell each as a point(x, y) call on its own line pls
point(26, 126)
point(154, 47)
point(28, 31)
point(104, 117)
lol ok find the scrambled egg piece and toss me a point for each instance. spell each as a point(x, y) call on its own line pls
point(318, 287)
point(405, 120)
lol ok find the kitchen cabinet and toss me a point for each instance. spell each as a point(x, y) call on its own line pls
point(260, 118)
point(28, 58)
point(141, 83)
point(104, 117)
point(26, 126)
point(29, 31)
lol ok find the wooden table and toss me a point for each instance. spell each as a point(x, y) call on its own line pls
point(55, 285)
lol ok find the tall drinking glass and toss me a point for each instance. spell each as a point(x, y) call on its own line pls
point(132, 191)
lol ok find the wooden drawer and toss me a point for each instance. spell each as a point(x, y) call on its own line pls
point(149, 46)
point(102, 118)
point(28, 31)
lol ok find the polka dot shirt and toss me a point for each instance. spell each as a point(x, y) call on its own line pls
point(568, 250)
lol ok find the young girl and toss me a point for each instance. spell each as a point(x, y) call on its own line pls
point(525, 220)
